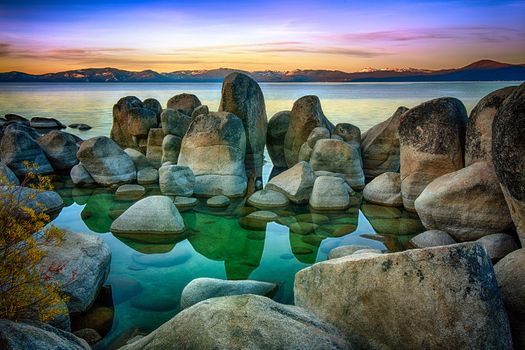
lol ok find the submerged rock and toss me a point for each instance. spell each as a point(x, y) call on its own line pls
point(277, 128)
point(385, 189)
point(400, 291)
point(46, 123)
point(295, 183)
point(129, 192)
point(330, 193)
point(185, 102)
point(218, 202)
point(60, 148)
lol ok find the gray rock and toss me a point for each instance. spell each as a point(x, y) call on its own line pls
point(147, 176)
point(46, 123)
point(277, 128)
point(80, 176)
point(129, 192)
point(171, 148)
point(295, 183)
point(265, 199)
point(380, 146)
point(175, 122)
point(432, 238)
point(80, 126)
point(85, 262)
point(468, 203)
point(202, 109)
point(18, 126)
point(139, 159)
point(329, 193)
point(242, 322)
point(498, 245)
point(119, 130)
point(201, 289)
point(185, 102)
point(185, 203)
point(385, 189)
point(350, 134)
point(218, 201)
point(306, 115)
point(155, 106)
point(154, 215)
point(140, 121)
point(242, 96)
point(36, 335)
point(60, 149)
point(48, 202)
point(399, 292)
point(214, 148)
point(508, 148)
point(339, 157)
point(106, 162)
point(7, 177)
point(154, 147)
point(431, 137)
point(347, 250)
point(16, 118)
point(317, 134)
point(18, 147)
point(305, 153)
point(176, 180)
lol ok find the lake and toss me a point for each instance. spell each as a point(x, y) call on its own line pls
point(147, 278)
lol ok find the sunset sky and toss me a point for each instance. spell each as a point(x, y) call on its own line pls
point(50, 36)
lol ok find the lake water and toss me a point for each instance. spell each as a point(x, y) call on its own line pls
point(147, 278)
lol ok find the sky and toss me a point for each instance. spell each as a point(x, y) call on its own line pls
point(49, 36)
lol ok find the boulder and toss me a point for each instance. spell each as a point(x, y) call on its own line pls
point(380, 146)
point(48, 202)
point(176, 180)
point(80, 176)
point(201, 289)
point(129, 192)
point(306, 115)
point(17, 148)
point(154, 215)
point(106, 162)
point(431, 139)
point(140, 120)
point(147, 176)
point(218, 201)
point(317, 134)
point(155, 106)
point(16, 118)
point(214, 148)
point(119, 130)
point(36, 335)
point(80, 126)
point(242, 96)
point(468, 203)
point(349, 133)
point(432, 238)
point(385, 189)
point(508, 148)
point(277, 128)
point(175, 122)
point(305, 152)
point(154, 147)
point(498, 245)
point(339, 157)
point(511, 281)
point(7, 177)
point(139, 159)
point(329, 193)
point(80, 265)
point(46, 123)
point(242, 322)
point(265, 199)
point(171, 148)
point(18, 126)
point(406, 297)
point(60, 149)
point(295, 183)
point(478, 136)
point(185, 102)
point(202, 109)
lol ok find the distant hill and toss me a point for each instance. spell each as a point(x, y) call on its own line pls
point(484, 70)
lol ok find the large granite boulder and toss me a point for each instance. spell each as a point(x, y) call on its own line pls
point(391, 301)
point(339, 157)
point(176, 180)
point(7, 177)
point(277, 128)
point(385, 189)
point(242, 96)
point(380, 146)
point(432, 137)
point(60, 148)
point(153, 105)
point(214, 148)
point(105, 161)
point(80, 265)
point(295, 183)
point(242, 322)
point(119, 130)
point(330, 193)
point(140, 120)
point(154, 215)
point(478, 136)
point(33, 335)
point(305, 116)
point(154, 146)
point(175, 122)
point(185, 102)
point(206, 288)
point(510, 274)
point(508, 148)
point(468, 203)
point(17, 148)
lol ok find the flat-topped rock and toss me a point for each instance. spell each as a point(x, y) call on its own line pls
point(129, 192)
point(185, 203)
point(147, 176)
point(46, 123)
point(266, 198)
point(218, 202)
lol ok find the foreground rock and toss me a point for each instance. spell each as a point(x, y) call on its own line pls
point(468, 203)
point(306, 115)
point(432, 238)
point(380, 146)
point(330, 193)
point(508, 148)
point(511, 281)
point(295, 183)
point(400, 291)
point(385, 189)
point(242, 322)
point(242, 96)
point(36, 335)
point(60, 148)
point(106, 162)
point(48, 202)
point(214, 148)
point(205, 288)
point(18, 147)
point(154, 215)
point(431, 137)
point(80, 265)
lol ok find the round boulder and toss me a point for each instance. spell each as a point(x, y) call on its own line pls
point(218, 202)
point(60, 148)
point(264, 199)
point(185, 102)
point(498, 245)
point(330, 193)
point(119, 131)
point(385, 189)
point(432, 238)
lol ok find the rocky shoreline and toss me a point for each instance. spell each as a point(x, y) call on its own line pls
point(462, 175)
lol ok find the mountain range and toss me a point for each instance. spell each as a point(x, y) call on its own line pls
point(483, 70)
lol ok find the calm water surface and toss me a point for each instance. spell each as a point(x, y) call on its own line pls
point(147, 278)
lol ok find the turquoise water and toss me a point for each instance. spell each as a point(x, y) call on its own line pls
point(147, 277)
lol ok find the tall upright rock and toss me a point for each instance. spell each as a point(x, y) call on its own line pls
point(277, 128)
point(119, 131)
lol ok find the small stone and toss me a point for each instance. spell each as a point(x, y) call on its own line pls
point(268, 199)
point(218, 201)
point(129, 192)
point(147, 176)
point(185, 203)
point(432, 238)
